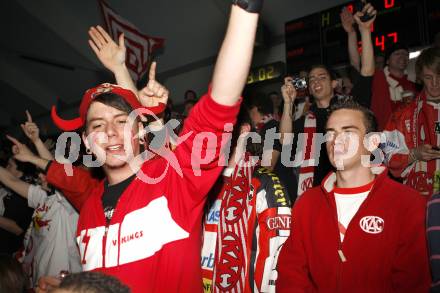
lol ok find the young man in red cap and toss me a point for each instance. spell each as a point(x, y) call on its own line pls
point(359, 231)
point(151, 239)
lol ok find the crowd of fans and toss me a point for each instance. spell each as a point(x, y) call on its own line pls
point(309, 191)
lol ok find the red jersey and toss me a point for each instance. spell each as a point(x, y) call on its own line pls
point(415, 125)
point(384, 247)
point(152, 243)
point(244, 231)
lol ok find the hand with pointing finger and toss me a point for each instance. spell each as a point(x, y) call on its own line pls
point(30, 129)
point(111, 55)
point(20, 151)
point(154, 92)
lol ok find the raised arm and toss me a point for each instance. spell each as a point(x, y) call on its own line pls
point(76, 187)
point(347, 22)
point(111, 55)
point(23, 154)
point(14, 183)
point(10, 226)
point(367, 56)
point(198, 150)
point(289, 95)
point(233, 62)
point(32, 131)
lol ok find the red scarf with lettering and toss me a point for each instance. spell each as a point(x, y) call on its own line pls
point(232, 241)
point(306, 145)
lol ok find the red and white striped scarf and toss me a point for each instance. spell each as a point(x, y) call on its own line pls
point(421, 176)
point(230, 272)
point(307, 169)
point(266, 118)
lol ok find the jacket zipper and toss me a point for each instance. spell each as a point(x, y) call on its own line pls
point(341, 255)
point(335, 218)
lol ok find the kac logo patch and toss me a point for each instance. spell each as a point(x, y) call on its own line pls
point(372, 224)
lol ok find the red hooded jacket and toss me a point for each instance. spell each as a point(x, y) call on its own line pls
point(384, 246)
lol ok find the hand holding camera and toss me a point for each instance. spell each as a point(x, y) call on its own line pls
point(288, 90)
point(365, 14)
point(299, 83)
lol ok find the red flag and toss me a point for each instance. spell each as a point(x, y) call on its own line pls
point(139, 46)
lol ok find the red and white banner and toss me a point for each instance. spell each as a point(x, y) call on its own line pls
point(139, 46)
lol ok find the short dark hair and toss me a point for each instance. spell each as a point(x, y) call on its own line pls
point(395, 47)
point(333, 74)
point(115, 101)
point(190, 92)
point(92, 282)
point(112, 100)
point(429, 58)
point(254, 148)
point(263, 103)
point(12, 277)
point(370, 121)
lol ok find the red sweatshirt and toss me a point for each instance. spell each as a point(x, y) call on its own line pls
point(384, 247)
point(153, 241)
point(381, 103)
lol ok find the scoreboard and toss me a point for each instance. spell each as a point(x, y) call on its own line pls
point(320, 37)
point(266, 72)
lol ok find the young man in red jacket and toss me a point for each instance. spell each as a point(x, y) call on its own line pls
point(359, 231)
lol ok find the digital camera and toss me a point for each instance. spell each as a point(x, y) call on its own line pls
point(299, 83)
point(359, 6)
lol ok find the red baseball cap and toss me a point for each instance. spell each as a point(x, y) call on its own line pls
point(127, 95)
